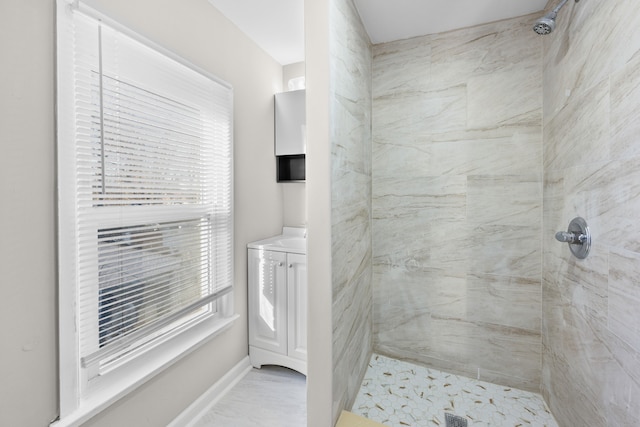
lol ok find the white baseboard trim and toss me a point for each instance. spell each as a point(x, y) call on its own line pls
point(201, 405)
point(259, 357)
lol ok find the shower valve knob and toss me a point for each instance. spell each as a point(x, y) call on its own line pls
point(571, 238)
point(577, 236)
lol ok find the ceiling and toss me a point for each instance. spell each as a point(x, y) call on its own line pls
point(388, 20)
point(277, 26)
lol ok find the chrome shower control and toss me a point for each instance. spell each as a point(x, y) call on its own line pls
point(577, 236)
point(565, 236)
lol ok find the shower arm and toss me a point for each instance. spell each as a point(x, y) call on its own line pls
point(559, 6)
point(556, 9)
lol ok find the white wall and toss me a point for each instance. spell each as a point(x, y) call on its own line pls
point(192, 29)
point(319, 379)
point(27, 246)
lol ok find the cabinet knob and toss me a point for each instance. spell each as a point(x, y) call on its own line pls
point(290, 265)
point(280, 264)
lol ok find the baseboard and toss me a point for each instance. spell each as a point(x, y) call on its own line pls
point(201, 405)
point(260, 357)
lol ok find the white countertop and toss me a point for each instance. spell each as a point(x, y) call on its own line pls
point(292, 239)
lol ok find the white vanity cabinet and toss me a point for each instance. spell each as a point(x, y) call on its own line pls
point(297, 307)
point(277, 284)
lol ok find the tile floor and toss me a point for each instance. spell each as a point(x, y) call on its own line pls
point(267, 397)
point(401, 394)
point(394, 393)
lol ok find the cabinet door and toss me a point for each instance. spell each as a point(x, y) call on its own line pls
point(297, 312)
point(290, 123)
point(268, 300)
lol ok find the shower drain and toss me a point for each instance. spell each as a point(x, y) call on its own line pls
point(454, 420)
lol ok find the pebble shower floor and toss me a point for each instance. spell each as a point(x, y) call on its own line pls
point(401, 394)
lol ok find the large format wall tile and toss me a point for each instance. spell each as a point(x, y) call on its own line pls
point(510, 301)
point(420, 222)
point(485, 192)
point(457, 201)
point(401, 68)
point(625, 109)
point(588, 45)
point(624, 297)
point(350, 115)
point(583, 126)
point(591, 332)
point(483, 50)
point(505, 97)
point(420, 113)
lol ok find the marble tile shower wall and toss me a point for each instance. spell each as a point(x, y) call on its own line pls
point(350, 114)
point(457, 201)
point(591, 308)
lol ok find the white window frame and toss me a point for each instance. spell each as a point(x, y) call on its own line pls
point(80, 399)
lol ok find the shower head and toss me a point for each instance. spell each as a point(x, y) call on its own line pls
point(547, 23)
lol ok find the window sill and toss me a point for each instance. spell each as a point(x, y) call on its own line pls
point(135, 373)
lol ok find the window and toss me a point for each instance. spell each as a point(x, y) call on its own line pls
point(145, 209)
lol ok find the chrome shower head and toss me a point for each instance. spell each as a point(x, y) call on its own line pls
point(547, 23)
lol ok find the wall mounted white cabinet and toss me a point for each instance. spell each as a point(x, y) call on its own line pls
point(290, 136)
point(290, 123)
point(277, 275)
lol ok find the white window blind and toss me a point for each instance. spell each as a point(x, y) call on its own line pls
point(145, 189)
